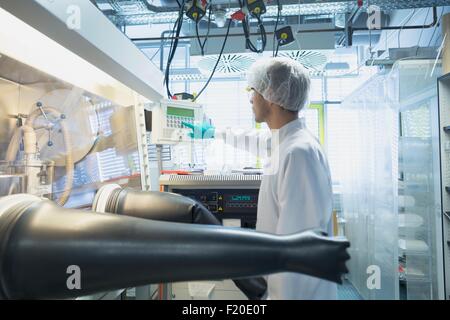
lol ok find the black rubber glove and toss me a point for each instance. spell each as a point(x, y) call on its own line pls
point(161, 206)
point(253, 288)
point(39, 241)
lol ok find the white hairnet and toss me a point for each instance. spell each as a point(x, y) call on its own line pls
point(282, 81)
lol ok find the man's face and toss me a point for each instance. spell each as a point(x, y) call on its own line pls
point(260, 106)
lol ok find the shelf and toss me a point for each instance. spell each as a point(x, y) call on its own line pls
point(413, 247)
point(417, 279)
point(410, 220)
point(417, 276)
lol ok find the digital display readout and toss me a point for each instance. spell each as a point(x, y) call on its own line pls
point(180, 112)
point(236, 204)
point(241, 198)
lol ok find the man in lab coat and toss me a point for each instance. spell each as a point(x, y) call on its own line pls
point(295, 194)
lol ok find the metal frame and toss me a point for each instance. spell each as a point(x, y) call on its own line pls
point(141, 135)
point(443, 102)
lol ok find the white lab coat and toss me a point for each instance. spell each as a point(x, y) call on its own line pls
point(296, 196)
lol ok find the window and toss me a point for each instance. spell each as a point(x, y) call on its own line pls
point(339, 133)
point(226, 103)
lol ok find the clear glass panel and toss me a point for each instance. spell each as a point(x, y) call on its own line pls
point(316, 94)
point(444, 118)
point(419, 224)
point(339, 137)
point(390, 183)
point(227, 104)
point(369, 183)
point(66, 141)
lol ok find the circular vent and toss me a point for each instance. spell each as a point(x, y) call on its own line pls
point(229, 63)
point(311, 60)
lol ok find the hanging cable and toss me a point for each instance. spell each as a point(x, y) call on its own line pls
point(166, 78)
point(246, 28)
point(436, 27)
point(198, 39)
point(217, 62)
point(278, 47)
point(262, 32)
point(275, 30)
point(173, 46)
point(401, 29)
point(421, 32)
point(202, 45)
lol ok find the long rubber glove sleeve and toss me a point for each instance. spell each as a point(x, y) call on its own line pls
point(165, 206)
point(161, 206)
point(253, 288)
point(40, 241)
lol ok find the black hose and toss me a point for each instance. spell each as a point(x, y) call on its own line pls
point(217, 63)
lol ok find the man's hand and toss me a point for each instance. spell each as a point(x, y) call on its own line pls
point(204, 131)
point(314, 254)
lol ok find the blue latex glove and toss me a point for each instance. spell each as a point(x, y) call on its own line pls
point(204, 131)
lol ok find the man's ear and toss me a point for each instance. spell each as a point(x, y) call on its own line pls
point(274, 107)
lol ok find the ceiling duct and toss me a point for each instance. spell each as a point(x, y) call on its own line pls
point(238, 64)
point(228, 64)
point(311, 60)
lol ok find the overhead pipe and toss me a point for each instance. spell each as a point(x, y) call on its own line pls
point(41, 244)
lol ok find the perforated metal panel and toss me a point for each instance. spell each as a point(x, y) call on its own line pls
point(235, 180)
point(405, 4)
point(229, 63)
point(311, 60)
